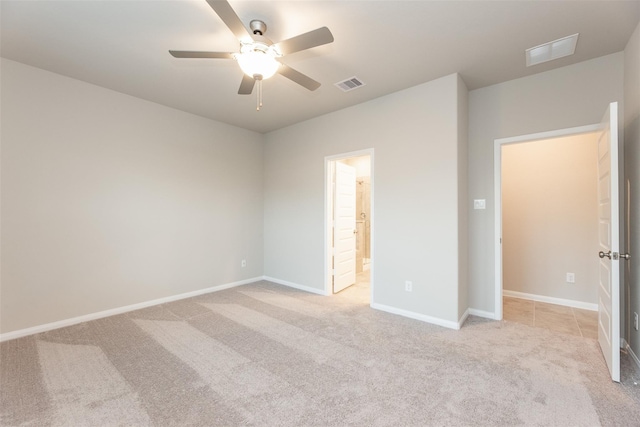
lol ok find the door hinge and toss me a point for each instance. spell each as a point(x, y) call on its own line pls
point(615, 255)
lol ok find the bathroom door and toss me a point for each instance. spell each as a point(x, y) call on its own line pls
point(609, 235)
point(344, 233)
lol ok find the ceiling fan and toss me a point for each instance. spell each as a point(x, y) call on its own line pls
point(258, 56)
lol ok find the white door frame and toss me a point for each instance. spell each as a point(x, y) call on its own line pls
point(328, 215)
point(497, 191)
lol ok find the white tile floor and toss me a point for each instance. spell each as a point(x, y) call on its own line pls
point(558, 318)
point(360, 292)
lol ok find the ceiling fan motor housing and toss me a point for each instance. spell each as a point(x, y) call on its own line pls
point(258, 27)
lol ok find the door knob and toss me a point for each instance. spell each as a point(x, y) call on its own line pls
point(615, 255)
point(602, 254)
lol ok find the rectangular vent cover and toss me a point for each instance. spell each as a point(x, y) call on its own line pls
point(350, 84)
point(553, 50)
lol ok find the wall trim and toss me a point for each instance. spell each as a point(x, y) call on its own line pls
point(119, 310)
point(463, 318)
point(296, 286)
point(417, 316)
point(626, 346)
point(551, 300)
point(482, 313)
point(393, 310)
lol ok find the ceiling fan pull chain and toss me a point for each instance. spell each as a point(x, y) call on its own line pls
point(259, 84)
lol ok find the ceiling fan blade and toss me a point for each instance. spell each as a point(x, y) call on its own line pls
point(305, 41)
point(230, 18)
point(246, 86)
point(197, 54)
point(298, 77)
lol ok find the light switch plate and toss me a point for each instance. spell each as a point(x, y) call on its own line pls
point(479, 204)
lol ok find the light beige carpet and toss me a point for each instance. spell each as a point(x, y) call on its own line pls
point(267, 355)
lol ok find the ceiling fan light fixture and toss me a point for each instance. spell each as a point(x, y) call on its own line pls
point(256, 59)
point(258, 56)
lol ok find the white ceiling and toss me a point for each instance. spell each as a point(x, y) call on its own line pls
point(390, 45)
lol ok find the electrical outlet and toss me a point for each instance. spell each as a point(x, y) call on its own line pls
point(635, 321)
point(243, 263)
point(571, 278)
point(408, 286)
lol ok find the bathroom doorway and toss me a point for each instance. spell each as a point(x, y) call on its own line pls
point(349, 225)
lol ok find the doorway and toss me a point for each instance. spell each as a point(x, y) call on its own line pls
point(349, 225)
point(498, 152)
point(550, 234)
point(608, 160)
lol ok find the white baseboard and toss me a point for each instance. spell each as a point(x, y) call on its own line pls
point(112, 312)
point(388, 309)
point(417, 316)
point(295, 285)
point(463, 318)
point(482, 313)
point(551, 300)
point(626, 346)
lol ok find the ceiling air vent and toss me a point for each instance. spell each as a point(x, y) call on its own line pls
point(349, 84)
point(553, 50)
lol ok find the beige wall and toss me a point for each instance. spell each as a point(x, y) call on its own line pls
point(108, 200)
point(415, 187)
point(571, 96)
point(463, 198)
point(632, 187)
point(550, 217)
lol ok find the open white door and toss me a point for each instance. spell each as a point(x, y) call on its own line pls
point(609, 232)
point(344, 238)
